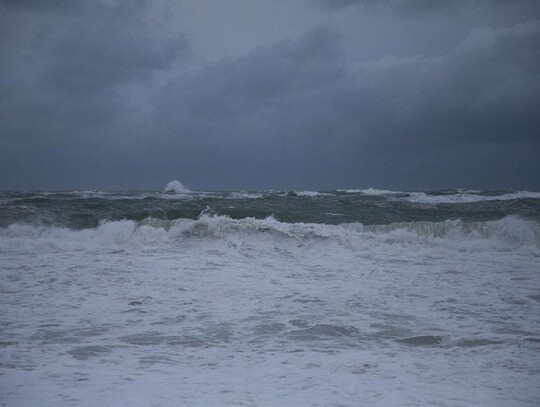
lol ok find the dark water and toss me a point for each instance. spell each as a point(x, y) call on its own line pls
point(78, 210)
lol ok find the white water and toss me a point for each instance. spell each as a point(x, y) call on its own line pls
point(312, 194)
point(176, 187)
point(262, 313)
point(462, 196)
point(468, 197)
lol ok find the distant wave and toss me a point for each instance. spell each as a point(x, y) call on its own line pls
point(311, 193)
point(175, 187)
point(461, 196)
point(421, 197)
point(245, 195)
point(371, 191)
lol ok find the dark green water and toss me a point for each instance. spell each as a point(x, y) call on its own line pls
point(79, 210)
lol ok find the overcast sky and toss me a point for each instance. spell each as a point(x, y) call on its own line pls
point(275, 94)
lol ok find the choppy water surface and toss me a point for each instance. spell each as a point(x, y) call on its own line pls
point(86, 209)
point(369, 297)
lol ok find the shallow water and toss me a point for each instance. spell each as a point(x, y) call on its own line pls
point(244, 311)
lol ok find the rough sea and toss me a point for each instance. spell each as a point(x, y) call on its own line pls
point(270, 298)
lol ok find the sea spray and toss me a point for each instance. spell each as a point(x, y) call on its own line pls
point(175, 187)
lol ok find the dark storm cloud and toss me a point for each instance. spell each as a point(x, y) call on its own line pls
point(423, 7)
point(70, 67)
point(98, 95)
point(38, 4)
point(238, 86)
point(295, 107)
point(420, 6)
point(256, 100)
point(484, 89)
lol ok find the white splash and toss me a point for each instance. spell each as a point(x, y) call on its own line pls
point(175, 187)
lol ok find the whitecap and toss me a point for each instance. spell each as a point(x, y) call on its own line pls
point(509, 232)
point(175, 187)
point(467, 197)
point(311, 193)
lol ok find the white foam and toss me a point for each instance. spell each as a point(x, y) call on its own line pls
point(224, 312)
point(370, 191)
point(311, 193)
point(510, 231)
point(468, 191)
point(377, 192)
point(461, 196)
point(468, 197)
point(176, 187)
point(246, 195)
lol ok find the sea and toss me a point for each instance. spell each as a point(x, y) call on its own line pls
point(359, 297)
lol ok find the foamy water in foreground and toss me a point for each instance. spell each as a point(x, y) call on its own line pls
point(173, 311)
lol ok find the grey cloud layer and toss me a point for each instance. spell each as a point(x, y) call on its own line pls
point(80, 107)
point(298, 102)
point(428, 6)
point(69, 67)
point(403, 6)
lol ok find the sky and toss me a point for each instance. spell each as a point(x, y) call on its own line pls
point(275, 94)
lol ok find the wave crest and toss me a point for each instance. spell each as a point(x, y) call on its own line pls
point(512, 230)
point(175, 187)
point(509, 232)
point(468, 197)
point(460, 196)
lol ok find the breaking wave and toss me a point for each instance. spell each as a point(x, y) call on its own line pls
point(175, 187)
point(311, 193)
point(460, 195)
point(509, 232)
point(468, 197)
point(371, 191)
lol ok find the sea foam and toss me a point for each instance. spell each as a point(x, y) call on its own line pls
point(461, 195)
point(468, 197)
point(182, 311)
point(509, 232)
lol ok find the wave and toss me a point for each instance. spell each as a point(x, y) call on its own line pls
point(468, 197)
point(175, 187)
point(311, 193)
point(372, 191)
point(509, 232)
point(177, 191)
point(511, 229)
point(460, 196)
point(244, 195)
